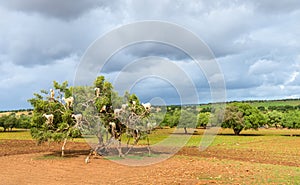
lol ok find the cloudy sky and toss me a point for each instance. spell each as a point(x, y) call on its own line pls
point(255, 42)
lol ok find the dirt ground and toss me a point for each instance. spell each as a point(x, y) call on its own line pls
point(23, 162)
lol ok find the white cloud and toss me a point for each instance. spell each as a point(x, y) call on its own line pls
point(264, 66)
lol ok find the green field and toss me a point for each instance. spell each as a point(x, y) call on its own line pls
point(295, 102)
point(20, 134)
point(266, 103)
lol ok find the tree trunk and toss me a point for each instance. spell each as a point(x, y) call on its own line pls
point(237, 131)
point(185, 131)
point(63, 147)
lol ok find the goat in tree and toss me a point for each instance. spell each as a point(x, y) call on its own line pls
point(117, 112)
point(97, 92)
point(124, 106)
point(49, 118)
point(52, 94)
point(69, 101)
point(147, 106)
point(78, 119)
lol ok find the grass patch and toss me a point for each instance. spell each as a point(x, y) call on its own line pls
point(19, 134)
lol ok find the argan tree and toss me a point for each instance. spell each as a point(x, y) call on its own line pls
point(52, 117)
point(109, 116)
point(102, 112)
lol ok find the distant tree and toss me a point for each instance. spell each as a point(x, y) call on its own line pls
point(291, 119)
point(187, 120)
point(2, 119)
point(261, 108)
point(274, 118)
point(8, 121)
point(174, 118)
point(24, 121)
point(206, 109)
point(239, 116)
point(233, 118)
point(203, 119)
point(271, 108)
point(171, 117)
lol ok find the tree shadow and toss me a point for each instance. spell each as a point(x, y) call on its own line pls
point(290, 135)
point(68, 153)
point(232, 134)
point(14, 130)
point(111, 151)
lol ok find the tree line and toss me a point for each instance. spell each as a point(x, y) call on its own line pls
point(12, 120)
point(237, 115)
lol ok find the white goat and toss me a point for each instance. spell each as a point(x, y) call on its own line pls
point(124, 106)
point(113, 128)
point(117, 112)
point(103, 109)
point(78, 119)
point(52, 93)
point(133, 105)
point(69, 101)
point(97, 92)
point(49, 118)
point(147, 106)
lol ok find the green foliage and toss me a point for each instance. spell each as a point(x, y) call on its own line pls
point(187, 120)
point(233, 118)
point(291, 119)
point(9, 121)
point(62, 126)
point(172, 117)
point(203, 119)
point(274, 118)
point(99, 116)
point(239, 116)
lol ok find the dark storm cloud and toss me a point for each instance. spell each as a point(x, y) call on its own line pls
point(62, 9)
point(144, 49)
point(275, 7)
